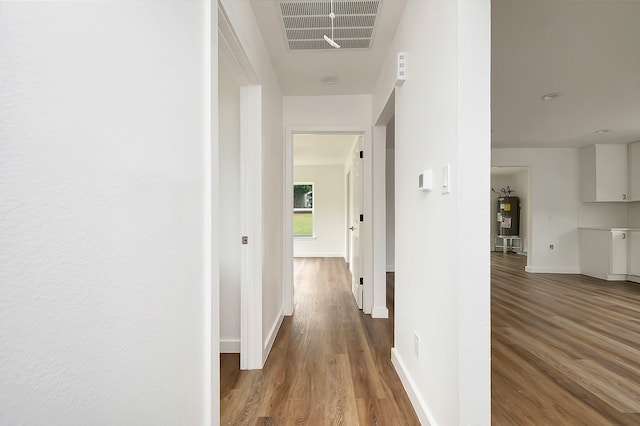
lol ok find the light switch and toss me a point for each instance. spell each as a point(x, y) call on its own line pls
point(425, 180)
point(445, 179)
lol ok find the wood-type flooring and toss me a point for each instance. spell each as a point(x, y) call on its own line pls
point(565, 351)
point(565, 348)
point(329, 365)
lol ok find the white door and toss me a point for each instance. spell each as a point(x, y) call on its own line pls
point(357, 208)
point(619, 252)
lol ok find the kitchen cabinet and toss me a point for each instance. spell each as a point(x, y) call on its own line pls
point(619, 250)
point(611, 254)
point(603, 173)
point(634, 171)
point(633, 261)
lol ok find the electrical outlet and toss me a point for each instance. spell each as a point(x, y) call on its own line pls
point(416, 344)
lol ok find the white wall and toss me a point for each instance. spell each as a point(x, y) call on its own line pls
point(554, 202)
point(522, 182)
point(442, 289)
point(391, 216)
point(327, 110)
point(329, 222)
point(102, 179)
point(229, 226)
point(240, 15)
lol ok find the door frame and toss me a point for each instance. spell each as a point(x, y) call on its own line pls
point(347, 215)
point(233, 53)
point(367, 264)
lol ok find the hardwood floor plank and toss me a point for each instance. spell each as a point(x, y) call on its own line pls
point(565, 348)
point(565, 351)
point(328, 361)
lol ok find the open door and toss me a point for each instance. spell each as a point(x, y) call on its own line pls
point(356, 210)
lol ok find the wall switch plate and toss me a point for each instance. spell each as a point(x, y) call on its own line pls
point(425, 180)
point(446, 178)
point(401, 75)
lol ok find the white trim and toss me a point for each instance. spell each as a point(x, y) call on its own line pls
point(210, 273)
point(379, 190)
point(379, 312)
point(287, 260)
point(287, 242)
point(271, 337)
point(634, 278)
point(334, 254)
point(548, 270)
point(422, 411)
point(229, 346)
point(250, 192)
point(232, 49)
point(369, 217)
point(616, 277)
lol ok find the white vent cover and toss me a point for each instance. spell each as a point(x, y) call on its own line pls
point(305, 23)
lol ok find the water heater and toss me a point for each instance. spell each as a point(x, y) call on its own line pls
point(508, 216)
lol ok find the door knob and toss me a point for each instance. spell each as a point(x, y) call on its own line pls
point(352, 228)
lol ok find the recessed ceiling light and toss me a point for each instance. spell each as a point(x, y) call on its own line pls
point(328, 81)
point(550, 96)
point(601, 131)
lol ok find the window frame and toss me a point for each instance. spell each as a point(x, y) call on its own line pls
point(306, 209)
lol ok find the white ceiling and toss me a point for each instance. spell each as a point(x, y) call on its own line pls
point(322, 150)
point(587, 50)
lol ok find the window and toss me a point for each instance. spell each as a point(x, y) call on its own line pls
point(303, 209)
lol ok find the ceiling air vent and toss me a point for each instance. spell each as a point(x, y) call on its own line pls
point(306, 23)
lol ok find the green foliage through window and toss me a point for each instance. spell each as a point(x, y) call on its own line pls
point(303, 210)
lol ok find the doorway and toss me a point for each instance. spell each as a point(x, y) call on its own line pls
point(512, 182)
point(330, 162)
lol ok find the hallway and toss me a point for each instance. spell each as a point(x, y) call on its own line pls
point(330, 364)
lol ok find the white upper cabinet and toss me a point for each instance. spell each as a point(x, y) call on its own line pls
point(603, 173)
point(634, 171)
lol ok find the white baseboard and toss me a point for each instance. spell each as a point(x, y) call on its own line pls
point(391, 268)
point(379, 312)
point(229, 346)
point(634, 278)
point(617, 277)
point(545, 270)
point(422, 411)
point(271, 337)
point(318, 255)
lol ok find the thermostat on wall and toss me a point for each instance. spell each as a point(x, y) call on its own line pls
point(425, 180)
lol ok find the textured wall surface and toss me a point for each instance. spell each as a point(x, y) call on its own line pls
point(442, 289)
point(101, 200)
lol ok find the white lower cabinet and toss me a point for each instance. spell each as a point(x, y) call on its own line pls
point(633, 263)
point(610, 254)
point(619, 240)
